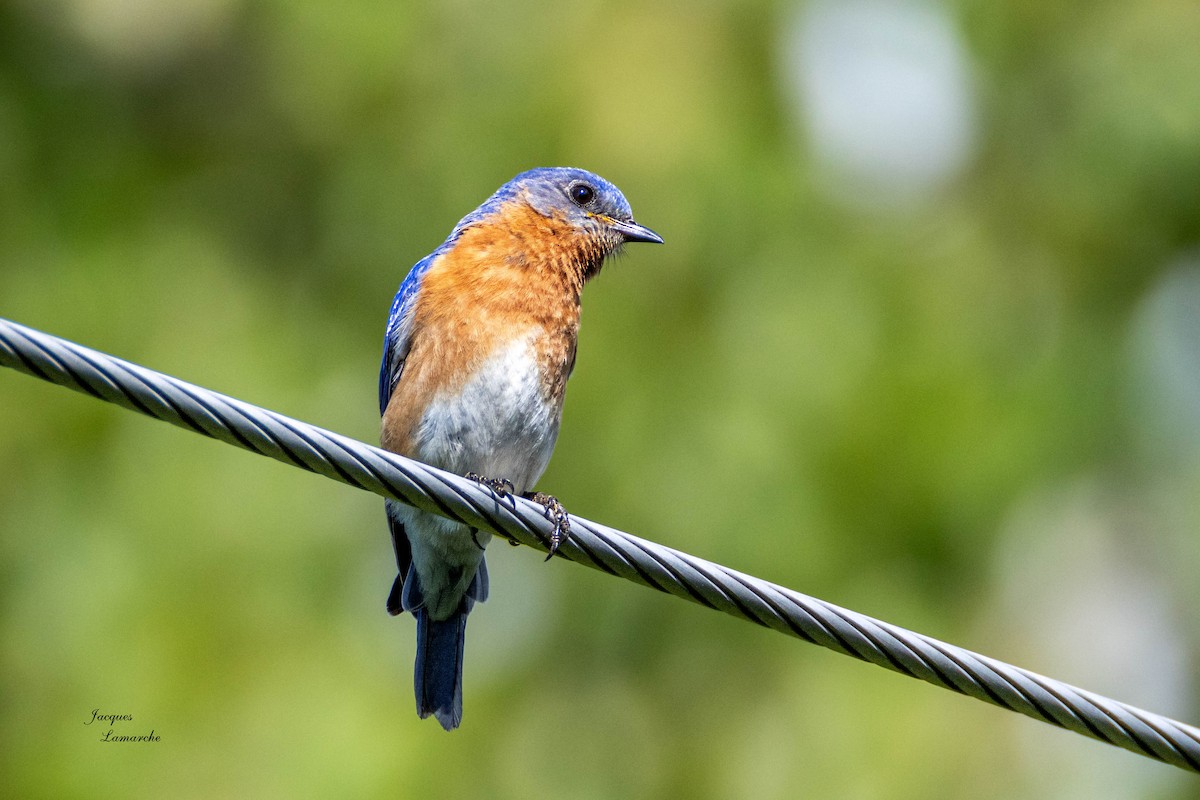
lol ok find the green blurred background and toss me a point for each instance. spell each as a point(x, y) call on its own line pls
point(924, 341)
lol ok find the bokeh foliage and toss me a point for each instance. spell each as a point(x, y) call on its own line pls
point(973, 412)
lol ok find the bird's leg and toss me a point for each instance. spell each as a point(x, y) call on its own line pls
point(556, 514)
point(554, 509)
point(503, 488)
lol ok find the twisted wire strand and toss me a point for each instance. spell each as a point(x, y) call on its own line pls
point(594, 545)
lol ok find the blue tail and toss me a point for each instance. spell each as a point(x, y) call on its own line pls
point(438, 675)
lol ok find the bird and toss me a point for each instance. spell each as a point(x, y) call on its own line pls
point(480, 340)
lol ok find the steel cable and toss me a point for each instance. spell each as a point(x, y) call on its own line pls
point(597, 546)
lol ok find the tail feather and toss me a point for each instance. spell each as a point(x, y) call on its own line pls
point(438, 674)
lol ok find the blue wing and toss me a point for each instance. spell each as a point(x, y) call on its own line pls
point(399, 328)
point(396, 339)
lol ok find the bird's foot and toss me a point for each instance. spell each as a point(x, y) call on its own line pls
point(503, 487)
point(556, 514)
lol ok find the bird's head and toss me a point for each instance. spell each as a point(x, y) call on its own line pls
point(592, 207)
point(585, 200)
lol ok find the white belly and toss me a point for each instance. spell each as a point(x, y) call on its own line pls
point(499, 425)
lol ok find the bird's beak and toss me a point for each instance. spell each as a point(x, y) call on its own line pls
point(634, 232)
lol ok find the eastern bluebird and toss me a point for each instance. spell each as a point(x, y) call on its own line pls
point(480, 342)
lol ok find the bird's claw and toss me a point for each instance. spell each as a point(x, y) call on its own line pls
point(556, 514)
point(553, 509)
point(503, 487)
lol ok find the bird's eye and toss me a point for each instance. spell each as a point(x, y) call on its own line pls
point(581, 194)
